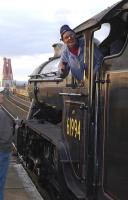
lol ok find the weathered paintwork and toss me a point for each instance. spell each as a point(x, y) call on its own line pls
point(81, 128)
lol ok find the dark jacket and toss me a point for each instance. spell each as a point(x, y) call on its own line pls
point(6, 131)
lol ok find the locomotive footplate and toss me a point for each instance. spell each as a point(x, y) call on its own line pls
point(49, 131)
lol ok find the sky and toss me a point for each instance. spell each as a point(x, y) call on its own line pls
point(29, 28)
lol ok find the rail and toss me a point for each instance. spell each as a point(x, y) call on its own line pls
point(16, 106)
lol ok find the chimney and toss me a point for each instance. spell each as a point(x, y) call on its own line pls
point(58, 48)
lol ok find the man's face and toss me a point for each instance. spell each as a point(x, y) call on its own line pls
point(69, 38)
point(1, 98)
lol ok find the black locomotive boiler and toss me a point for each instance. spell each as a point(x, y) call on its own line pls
point(75, 138)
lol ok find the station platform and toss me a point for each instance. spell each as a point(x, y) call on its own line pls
point(18, 184)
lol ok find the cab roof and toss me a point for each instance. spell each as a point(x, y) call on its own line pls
point(104, 16)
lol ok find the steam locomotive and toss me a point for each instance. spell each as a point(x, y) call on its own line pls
point(75, 137)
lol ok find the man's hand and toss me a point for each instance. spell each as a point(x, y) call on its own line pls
point(62, 66)
point(63, 71)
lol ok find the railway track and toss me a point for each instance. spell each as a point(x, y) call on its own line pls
point(16, 107)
